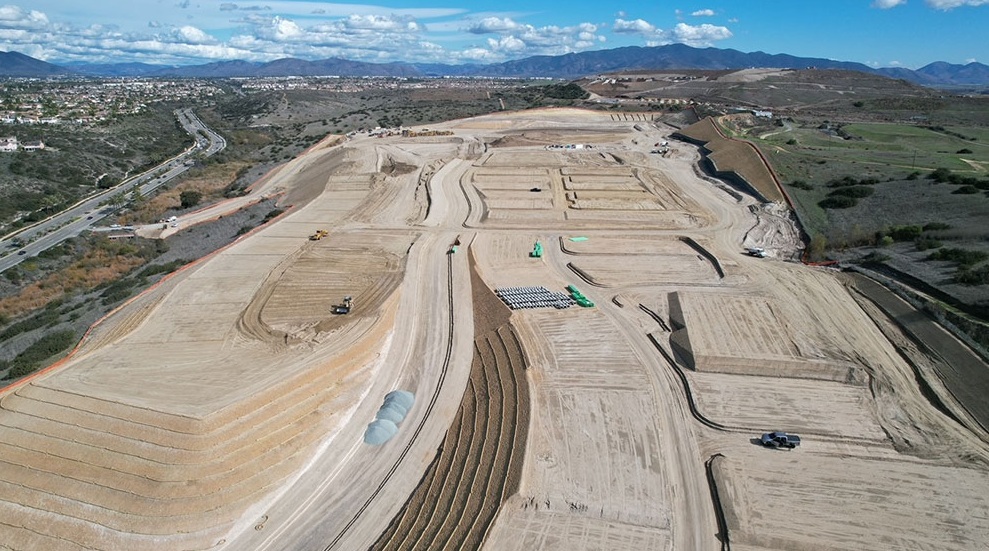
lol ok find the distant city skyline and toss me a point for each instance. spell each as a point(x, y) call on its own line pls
point(879, 33)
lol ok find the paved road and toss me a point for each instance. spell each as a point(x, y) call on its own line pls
point(30, 241)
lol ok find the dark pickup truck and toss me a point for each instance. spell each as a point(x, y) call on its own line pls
point(780, 439)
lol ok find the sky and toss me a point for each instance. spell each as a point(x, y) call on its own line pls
point(879, 33)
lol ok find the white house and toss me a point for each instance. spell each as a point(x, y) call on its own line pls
point(8, 144)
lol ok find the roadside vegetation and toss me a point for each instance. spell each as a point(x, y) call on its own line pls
point(78, 160)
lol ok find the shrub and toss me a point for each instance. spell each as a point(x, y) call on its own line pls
point(838, 202)
point(913, 175)
point(905, 233)
point(800, 184)
point(274, 213)
point(30, 359)
point(927, 243)
point(932, 226)
point(964, 151)
point(966, 190)
point(858, 192)
point(962, 257)
point(978, 276)
point(940, 175)
point(41, 319)
point(190, 198)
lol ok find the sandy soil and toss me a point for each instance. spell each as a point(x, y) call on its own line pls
point(225, 408)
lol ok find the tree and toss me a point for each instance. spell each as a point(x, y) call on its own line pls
point(190, 198)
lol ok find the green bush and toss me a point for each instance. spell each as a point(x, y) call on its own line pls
point(858, 192)
point(44, 348)
point(41, 319)
point(190, 198)
point(801, 184)
point(966, 190)
point(926, 243)
point(905, 233)
point(272, 214)
point(977, 276)
point(962, 257)
point(838, 202)
point(933, 226)
point(940, 175)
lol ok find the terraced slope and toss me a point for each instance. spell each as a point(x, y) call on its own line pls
point(479, 465)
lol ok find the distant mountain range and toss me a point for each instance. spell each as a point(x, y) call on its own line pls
point(568, 66)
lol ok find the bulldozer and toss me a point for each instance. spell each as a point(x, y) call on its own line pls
point(345, 307)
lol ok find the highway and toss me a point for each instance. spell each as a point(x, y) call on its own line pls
point(28, 242)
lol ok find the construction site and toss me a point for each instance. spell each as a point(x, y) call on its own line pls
point(463, 338)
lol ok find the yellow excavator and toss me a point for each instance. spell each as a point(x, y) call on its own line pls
point(318, 235)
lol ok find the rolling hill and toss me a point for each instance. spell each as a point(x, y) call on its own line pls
point(568, 66)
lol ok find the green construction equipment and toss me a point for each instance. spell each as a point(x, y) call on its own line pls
point(537, 250)
point(579, 297)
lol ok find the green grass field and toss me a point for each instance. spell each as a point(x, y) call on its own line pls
point(889, 153)
point(875, 150)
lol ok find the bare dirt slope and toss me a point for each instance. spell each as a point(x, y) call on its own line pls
point(226, 408)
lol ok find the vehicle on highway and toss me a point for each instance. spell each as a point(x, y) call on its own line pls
point(780, 439)
point(21, 253)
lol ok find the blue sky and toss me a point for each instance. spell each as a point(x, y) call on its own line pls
point(881, 33)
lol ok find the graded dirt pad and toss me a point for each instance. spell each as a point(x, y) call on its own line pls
point(618, 271)
point(529, 187)
point(364, 266)
point(755, 341)
point(804, 406)
point(787, 501)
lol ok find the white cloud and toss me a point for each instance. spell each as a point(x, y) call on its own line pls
point(637, 26)
point(191, 35)
point(951, 4)
point(692, 35)
point(520, 39)
point(14, 17)
point(887, 4)
point(700, 35)
point(705, 13)
point(971, 60)
point(493, 25)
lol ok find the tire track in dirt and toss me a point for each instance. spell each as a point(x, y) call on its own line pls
point(458, 499)
point(425, 418)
